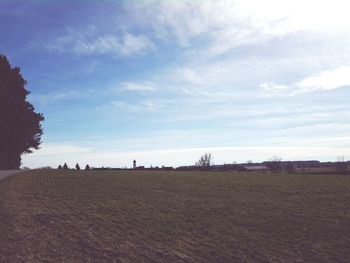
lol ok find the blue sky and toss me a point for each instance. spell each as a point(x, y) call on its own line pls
point(164, 81)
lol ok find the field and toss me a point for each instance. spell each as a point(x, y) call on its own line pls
point(129, 216)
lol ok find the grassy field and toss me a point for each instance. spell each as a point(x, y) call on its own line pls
point(127, 216)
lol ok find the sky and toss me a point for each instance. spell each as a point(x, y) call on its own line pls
point(163, 82)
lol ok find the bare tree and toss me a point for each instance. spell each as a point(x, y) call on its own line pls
point(205, 160)
point(275, 164)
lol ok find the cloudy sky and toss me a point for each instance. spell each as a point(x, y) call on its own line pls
point(164, 81)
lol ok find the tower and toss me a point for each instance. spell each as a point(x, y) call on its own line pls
point(134, 164)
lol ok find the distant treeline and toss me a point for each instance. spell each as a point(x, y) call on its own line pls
point(312, 166)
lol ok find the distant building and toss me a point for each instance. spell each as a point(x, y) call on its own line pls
point(134, 164)
point(255, 168)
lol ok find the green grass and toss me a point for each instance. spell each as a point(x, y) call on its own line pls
point(128, 216)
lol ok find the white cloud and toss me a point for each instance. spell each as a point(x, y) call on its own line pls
point(146, 105)
point(46, 99)
point(217, 75)
point(134, 86)
point(273, 87)
point(90, 42)
point(326, 80)
point(228, 24)
point(211, 95)
point(275, 42)
point(189, 75)
point(131, 44)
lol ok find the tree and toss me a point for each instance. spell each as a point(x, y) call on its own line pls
point(205, 161)
point(87, 167)
point(59, 167)
point(65, 166)
point(77, 167)
point(275, 164)
point(20, 128)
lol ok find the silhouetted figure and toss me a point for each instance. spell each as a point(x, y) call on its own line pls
point(87, 167)
point(65, 166)
point(59, 167)
point(77, 167)
point(20, 129)
point(134, 164)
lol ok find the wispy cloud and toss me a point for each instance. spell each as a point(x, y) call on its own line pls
point(135, 86)
point(90, 42)
point(326, 80)
point(273, 87)
point(236, 74)
point(322, 81)
point(46, 99)
point(212, 95)
point(147, 105)
point(189, 75)
point(227, 24)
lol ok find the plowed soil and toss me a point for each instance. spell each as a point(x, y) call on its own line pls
point(134, 216)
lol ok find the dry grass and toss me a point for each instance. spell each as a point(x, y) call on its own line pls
point(174, 217)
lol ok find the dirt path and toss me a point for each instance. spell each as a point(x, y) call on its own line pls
point(5, 173)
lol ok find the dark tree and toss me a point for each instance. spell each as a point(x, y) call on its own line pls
point(20, 129)
point(275, 164)
point(65, 166)
point(205, 161)
point(77, 167)
point(59, 167)
point(87, 167)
